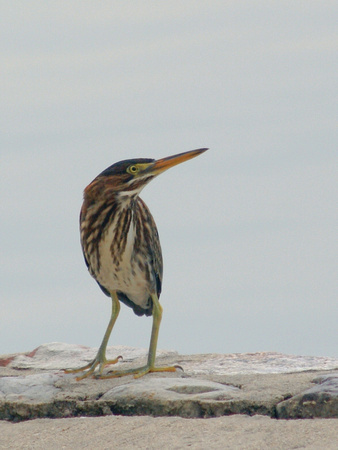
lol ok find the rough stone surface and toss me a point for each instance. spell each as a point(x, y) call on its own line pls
point(58, 356)
point(280, 386)
point(319, 401)
point(39, 387)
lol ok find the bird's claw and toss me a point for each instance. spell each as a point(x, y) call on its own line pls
point(138, 372)
point(89, 369)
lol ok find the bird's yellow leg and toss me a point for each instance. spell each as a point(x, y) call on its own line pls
point(150, 366)
point(100, 358)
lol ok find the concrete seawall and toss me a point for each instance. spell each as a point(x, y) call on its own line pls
point(241, 391)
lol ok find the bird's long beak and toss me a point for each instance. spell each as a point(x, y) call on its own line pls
point(165, 163)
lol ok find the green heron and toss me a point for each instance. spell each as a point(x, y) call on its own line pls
point(122, 250)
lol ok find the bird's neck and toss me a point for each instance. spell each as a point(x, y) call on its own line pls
point(100, 191)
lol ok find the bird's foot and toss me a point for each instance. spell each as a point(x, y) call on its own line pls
point(138, 372)
point(89, 369)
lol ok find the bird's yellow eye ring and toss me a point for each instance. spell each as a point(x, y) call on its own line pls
point(133, 169)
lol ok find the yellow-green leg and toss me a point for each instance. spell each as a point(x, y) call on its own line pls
point(150, 366)
point(100, 358)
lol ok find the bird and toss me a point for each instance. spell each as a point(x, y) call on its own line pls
point(122, 251)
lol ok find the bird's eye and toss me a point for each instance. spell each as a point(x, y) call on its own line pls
point(133, 169)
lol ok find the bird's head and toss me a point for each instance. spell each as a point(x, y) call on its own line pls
point(129, 177)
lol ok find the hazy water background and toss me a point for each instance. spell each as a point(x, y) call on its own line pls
point(248, 229)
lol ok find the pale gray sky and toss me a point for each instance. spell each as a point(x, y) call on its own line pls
point(248, 229)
